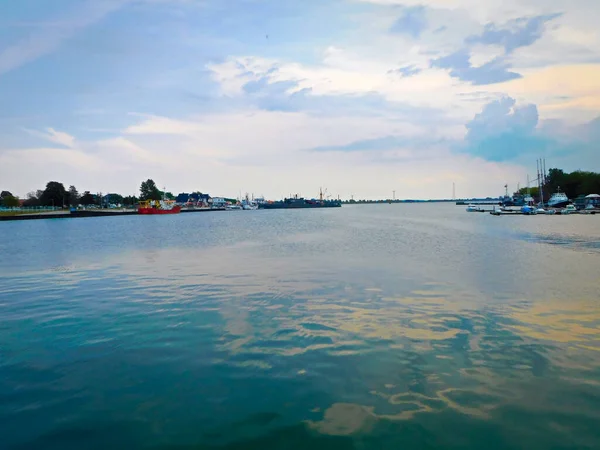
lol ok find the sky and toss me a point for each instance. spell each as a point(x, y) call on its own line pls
point(280, 97)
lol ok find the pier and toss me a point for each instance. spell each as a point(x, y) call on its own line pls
point(63, 214)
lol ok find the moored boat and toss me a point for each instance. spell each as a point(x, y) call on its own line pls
point(158, 207)
point(558, 200)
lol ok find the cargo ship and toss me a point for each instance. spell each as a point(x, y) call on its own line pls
point(158, 207)
point(300, 202)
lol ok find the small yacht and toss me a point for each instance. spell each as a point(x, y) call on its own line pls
point(473, 208)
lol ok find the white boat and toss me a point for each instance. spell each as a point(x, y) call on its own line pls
point(540, 211)
point(473, 208)
point(558, 200)
point(570, 209)
point(233, 207)
point(592, 202)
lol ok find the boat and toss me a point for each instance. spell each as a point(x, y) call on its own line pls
point(158, 207)
point(474, 208)
point(249, 205)
point(300, 202)
point(570, 209)
point(592, 202)
point(516, 199)
point(529, 210)
point(558, 200)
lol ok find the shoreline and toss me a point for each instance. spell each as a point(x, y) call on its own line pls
point(88, 213)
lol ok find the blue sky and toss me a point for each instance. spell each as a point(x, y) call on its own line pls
point(277, 96)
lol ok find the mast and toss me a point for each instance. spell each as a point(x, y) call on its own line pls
point(541, 179)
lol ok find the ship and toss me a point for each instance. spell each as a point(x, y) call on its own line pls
point(516, 199)
point(558, 200)
point(158, 207)
point(301, 203)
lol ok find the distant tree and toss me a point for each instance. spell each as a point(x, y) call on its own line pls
point(533, 191)
point(130, 200)
point(9, 201)
point(149, 191)
point(54, 194)
point(73, 196)
point(572, 184)
point(33, 199)
point(5, 194)
point(114, 199)
point(87, 199)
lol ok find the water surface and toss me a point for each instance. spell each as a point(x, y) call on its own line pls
point(365, 327)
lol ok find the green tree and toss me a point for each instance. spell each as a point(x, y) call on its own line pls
point(149, 191)
point(87, 199)
point(573, 184)
point(73, 196)
point(10, 201)
point(167, 195)
point(130, 200)
point(33, 199)
point(54, 194)
point(114, 199)
point(533, 191)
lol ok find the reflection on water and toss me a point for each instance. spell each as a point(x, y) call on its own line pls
point(371, 327)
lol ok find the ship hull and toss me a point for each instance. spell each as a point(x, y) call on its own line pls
point(283, 205)
point(153, 211)
point(558, 204)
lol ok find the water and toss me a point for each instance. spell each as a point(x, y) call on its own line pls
point(365, 327)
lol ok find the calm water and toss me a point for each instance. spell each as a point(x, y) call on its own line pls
point(366, 327)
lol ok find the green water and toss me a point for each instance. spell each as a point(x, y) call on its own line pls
point(366, 327)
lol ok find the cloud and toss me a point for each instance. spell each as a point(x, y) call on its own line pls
point(460, 66)
point(45, 39)
point(406, 71)
point(234, 110)
point(405, 142)
point(504, 130)
point(412, 22)
point(517, 33)
point(502, 116)
point(51, 135)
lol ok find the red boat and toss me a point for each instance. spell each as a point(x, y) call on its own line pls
point(158, 207)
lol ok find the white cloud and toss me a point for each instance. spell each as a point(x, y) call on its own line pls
point(482, 54)
point(57, 137)
point(343, 72)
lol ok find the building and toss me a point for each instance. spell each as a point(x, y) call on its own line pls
point(195, 199)
point(592, 201)
point(219, 202)
point(182, 199)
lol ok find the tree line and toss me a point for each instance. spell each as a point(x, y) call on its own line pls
point(56, 195)
point(574, 184)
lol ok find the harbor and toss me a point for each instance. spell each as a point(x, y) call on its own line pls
point(546, 198)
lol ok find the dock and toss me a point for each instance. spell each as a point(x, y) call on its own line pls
point(90, 213)
point(556, 212)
